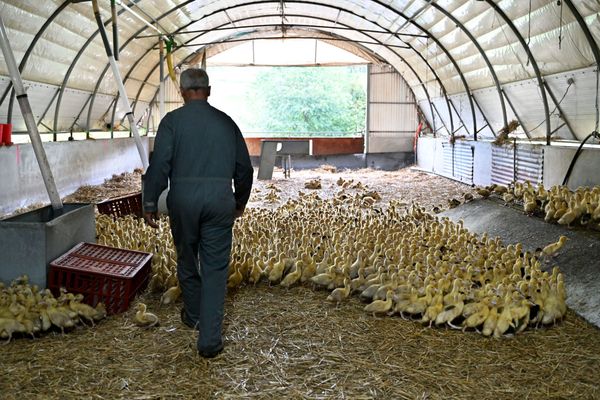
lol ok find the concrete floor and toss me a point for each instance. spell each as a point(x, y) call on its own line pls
point(579, 259)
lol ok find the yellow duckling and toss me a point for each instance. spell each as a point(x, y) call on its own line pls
point(85, 311)
point(293, 277)
point(475, 314)
point(8, 326)
point(277, 269)
point(404, 299)
point(570, 215)
point(554, 306)
point(171, 295)
point(434, 309)
point(256, 272)
point(235, 279)
point(324, 279)
point(529, 203)
point(551, 249)
point(505, 318)
point(500, 189)
point(143, 318)
point(508, 197)
point(356, 265)
point(380, 306)
point(419, 305)
point(520, 312)
point(59, 316)
point(309, 270)
point(452, 310)
point(339, 294)
point(483, 192)
point(489, 325)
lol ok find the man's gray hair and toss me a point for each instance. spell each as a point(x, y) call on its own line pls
point(193, 78)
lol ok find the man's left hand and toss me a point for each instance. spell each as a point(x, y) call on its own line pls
point(150, 218)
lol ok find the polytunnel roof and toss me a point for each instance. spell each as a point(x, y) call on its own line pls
point(441, 48)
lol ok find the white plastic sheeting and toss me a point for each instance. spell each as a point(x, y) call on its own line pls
point(69, 51)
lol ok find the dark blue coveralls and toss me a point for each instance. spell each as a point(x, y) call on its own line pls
point(201, 150)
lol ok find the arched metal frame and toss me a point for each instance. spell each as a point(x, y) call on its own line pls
point(592, 43)
point(27, 54)
point(409, 20)
point(82, 50)
point(586, 31)
point(325, 32)
point(312, 17)
point(483, 55)
point(317, 18)
point(531, 58)
point(454, 63)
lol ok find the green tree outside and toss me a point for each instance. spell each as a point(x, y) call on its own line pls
point(328, 101)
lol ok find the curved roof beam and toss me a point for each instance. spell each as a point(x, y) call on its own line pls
point(301, 16)
point(592, 43)
point(441, 46)
point(318, 18)
point(408, 20)
point(82, 50)
point(586, 31)
point(483, 55)
point(387, 31)
point(328, 20)
point(28, 53)
point(305, 16)
point(538, 74)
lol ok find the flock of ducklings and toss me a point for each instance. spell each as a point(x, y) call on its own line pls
point(401, 260)
point(27, 310)
point(558, 204)
point(133, 233)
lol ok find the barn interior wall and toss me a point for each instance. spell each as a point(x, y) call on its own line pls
point(556, 162)
point(584, 172)
point(73, 164)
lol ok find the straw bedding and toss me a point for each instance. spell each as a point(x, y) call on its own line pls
point(283, 343)
point(292, 344)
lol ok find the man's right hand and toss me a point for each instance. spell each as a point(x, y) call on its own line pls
point(150, 218)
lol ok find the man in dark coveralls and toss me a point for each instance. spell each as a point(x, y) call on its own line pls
point(201, 151)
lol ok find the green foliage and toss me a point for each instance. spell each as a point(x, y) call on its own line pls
point(310, 99)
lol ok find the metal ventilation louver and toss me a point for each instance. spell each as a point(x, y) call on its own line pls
point(458, 161)
point(520, 163)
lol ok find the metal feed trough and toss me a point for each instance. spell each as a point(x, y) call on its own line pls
point(30, 241)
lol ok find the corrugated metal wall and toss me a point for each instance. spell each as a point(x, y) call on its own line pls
point(458, 161)
point(521, 163)
point(392, 112)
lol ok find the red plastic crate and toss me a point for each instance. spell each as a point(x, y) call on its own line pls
point(102, 274)
point(121, 206)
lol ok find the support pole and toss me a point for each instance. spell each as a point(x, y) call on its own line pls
point(115, 29)
point(514, 110)
point(368, 116)
point(450, 132)
point(485, 118)
point(34, 134)
point(561, 113)
point(119, 81)
point(161, 88)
